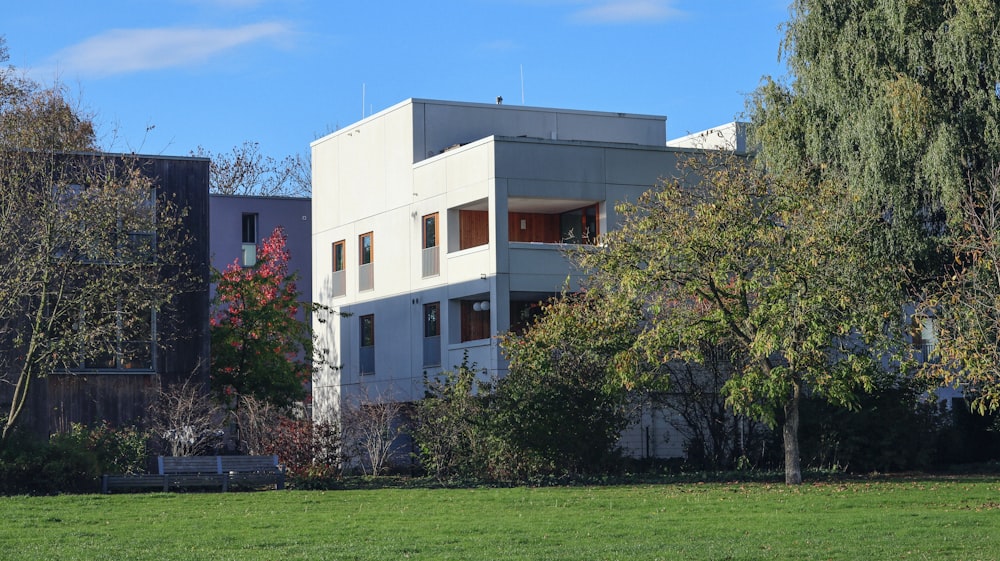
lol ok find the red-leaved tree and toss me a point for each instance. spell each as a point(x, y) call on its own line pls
point(261, 342)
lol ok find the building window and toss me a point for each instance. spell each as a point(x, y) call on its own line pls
point(475, 320)
point(249, 251)
point(923, 338)
point(365, 248)
point(430, 231)
point(579, 225)
point(432, 334)
point(366, 360)
point(339, 274)
point(338, 256)
point(431, 264)
point(125, 341)
point(366, 277)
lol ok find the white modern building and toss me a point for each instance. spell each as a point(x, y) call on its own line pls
point(437, 225)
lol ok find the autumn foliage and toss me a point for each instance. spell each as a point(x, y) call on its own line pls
point(261, 343)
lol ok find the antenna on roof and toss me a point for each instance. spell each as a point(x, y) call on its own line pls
point(362, 100)
point(522, 84)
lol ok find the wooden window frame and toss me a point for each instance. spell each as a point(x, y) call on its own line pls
point(361, 248)
point(343, 255)
point(361, 328)
point(423, 230)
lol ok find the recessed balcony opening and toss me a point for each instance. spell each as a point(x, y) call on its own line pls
point(552, 221)
point(525, 308)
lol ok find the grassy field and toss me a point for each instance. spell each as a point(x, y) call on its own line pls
point(900, 519)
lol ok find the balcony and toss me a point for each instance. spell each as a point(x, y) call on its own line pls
point(546, 221)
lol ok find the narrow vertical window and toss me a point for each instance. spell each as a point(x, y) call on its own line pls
point(339, 275)
point(430, 257)
point(366, 276)
point(366, 362)
point(430, 230)
point(338, 256)
point(432, 334)
point(432, 319)
point(365, 248)
point(249, 248)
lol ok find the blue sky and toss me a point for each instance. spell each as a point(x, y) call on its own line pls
point(167, 76)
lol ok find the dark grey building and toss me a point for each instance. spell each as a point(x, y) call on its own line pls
point(120, 391)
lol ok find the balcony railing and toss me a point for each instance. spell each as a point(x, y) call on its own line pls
point(432, 351)
point(366, 277)
point(431, 258)
point(339, 282)
point(366, 360)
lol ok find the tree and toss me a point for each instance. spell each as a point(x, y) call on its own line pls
point(910, 125)
point(89, 253)
point(771, 270)
point(261, 345)
point(37, 118)
point(901, 122)
point(245, 171)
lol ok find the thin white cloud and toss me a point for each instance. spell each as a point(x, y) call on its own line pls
point(122, 51)
point(626, 11)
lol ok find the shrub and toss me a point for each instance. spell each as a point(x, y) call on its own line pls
point(562, 407)
point(446, 425)
point(63, 464)
point(372, 432)
point(893, 429)
point(306, 448)
point(118, 450)
point(184, 420)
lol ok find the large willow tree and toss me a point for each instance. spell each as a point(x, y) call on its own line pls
point(898, 101)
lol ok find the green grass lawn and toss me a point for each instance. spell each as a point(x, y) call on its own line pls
point(916, 519)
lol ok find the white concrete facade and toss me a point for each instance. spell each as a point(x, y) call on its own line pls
point(730, 136)
point(457, 177)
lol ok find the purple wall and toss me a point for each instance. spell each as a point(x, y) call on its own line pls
point(293, 214)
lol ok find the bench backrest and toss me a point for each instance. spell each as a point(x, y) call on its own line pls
point(216, 464)
point(189, 464)
point(247, 464)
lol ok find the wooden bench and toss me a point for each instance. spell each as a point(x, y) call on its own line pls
point(177, 472)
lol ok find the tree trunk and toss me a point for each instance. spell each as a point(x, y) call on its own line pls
point(790, 432)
